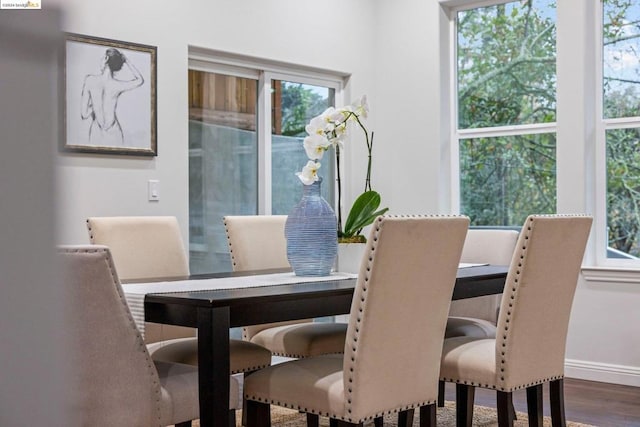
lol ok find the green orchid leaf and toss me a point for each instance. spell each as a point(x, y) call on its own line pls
point(369, 220)
point(363, 212)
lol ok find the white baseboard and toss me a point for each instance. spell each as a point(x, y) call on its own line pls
point(602, 372)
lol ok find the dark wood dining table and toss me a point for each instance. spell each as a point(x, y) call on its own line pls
point(214, 312)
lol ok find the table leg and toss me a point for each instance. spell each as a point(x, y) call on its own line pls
point(213, 366)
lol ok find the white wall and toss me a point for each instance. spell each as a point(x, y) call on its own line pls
point(393, 51)
point(408, 126)
point(604, 331)
point(337, 36)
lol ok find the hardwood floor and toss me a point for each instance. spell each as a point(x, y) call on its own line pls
point(589, 402)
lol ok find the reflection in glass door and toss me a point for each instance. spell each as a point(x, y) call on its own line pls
point(223, 163)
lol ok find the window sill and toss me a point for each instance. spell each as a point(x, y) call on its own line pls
point(611, 274)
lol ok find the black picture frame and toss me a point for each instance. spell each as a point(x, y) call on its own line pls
point(110, 96)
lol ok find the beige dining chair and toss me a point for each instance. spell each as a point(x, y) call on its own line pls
point(529, 348)
point(145, 247)
point(258, 242)
point(477, 317)
point(113, 379)
point(394, 337)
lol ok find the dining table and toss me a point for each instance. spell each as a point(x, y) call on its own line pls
point(214, 310)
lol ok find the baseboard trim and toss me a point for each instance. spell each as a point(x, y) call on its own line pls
point(602, 372)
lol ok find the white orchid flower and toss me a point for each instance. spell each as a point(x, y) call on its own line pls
point(329, 127)
point(361, 107)
point(340, 135)
point(316, 126)
point(315, 145)
point(338, 116)
point(346, 111)
point(328, 115)
point(309, 173)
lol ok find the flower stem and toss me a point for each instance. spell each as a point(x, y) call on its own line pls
point(367, 181)
point(339, 182)
point(367, 185)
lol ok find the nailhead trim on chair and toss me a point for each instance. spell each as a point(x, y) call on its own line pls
point(494, 387)
point(334, 416)
point(361, 307)
point(297, 356)
point(90, 231)
point(139, 341)
point(512, 295)
point(233, 259)
point(249, 369)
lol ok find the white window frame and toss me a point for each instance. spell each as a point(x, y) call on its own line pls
point(264, 71)
point(602, 126)
point(597, 268)
point(458, 134)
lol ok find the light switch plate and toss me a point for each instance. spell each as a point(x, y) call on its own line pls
point(154, 190)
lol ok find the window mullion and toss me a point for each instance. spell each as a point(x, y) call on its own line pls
point(264, 144)
point(507, 130)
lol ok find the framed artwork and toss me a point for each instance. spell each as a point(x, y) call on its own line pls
point(109, 96)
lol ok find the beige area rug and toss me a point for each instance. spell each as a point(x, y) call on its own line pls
point(482, 417)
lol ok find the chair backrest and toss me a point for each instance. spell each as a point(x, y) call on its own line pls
point(114, 379)
point(485, 246)
point(489, 246)
point(538, 294)
point(399, 311)
point(142, 246)
point(256, 242)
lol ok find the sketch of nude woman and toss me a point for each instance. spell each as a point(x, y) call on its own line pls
point(100, 94)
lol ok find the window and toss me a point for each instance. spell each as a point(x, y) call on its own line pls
point(620, 127)
point(504, 102)
point(246, 125)
point(294, 104)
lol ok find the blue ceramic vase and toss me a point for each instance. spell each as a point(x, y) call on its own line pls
point(311, 230)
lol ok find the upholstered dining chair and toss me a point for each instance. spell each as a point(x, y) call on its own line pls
point(529, 348)
point(113, 378)
point(257, 242)
point(394, 337)
point(144, 247)
point(477, 317)
point(151, 247)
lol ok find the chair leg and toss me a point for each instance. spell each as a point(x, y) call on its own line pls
point(465, 395)
point(232, 418)
point(505, 415)
point(340, 423)
point(534, 405)
point(440, 394)
point(378, 422)
point(428, 416)
point(556, 396)
point(313, 420)
point(258, 414)
point(405, 418)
